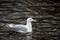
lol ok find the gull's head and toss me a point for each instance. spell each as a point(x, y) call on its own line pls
point(31, 19)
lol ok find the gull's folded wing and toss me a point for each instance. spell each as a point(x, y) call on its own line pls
point(19, 28)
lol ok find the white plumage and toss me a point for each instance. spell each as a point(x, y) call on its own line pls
point(22, 28)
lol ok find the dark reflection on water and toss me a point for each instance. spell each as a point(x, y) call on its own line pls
point(47, 14)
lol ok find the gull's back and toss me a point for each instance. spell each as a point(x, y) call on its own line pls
point(18, 27)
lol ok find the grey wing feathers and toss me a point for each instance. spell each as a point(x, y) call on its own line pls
point(19, 27)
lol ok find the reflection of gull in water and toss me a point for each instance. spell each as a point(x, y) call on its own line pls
point(22, 28)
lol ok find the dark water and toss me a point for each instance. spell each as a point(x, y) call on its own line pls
point(47, 13)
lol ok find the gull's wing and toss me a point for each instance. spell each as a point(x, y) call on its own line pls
point(18, 28)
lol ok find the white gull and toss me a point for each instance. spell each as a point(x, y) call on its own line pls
point(22, 28)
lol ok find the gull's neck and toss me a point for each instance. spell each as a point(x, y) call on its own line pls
point(29, 23)
point(29, 26)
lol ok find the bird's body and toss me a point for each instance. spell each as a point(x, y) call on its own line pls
point(22, 28)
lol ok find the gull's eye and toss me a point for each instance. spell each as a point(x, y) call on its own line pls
point(30, 19)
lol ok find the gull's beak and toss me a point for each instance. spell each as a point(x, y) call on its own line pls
point(34, 20)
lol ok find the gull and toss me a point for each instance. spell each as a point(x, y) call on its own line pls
point(23, 28)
